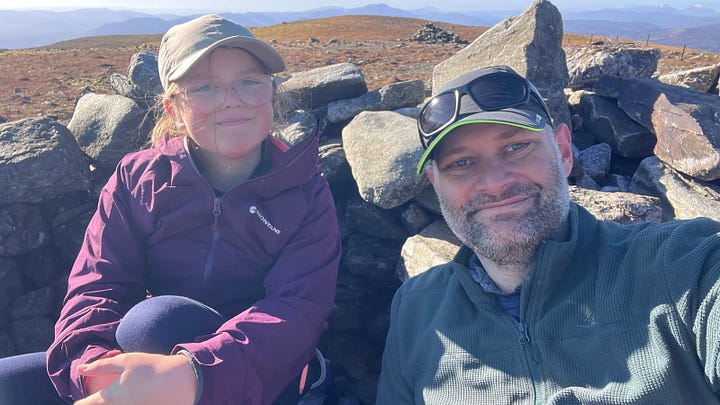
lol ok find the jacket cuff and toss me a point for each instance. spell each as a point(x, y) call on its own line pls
point(77, 383)
point(198, 373)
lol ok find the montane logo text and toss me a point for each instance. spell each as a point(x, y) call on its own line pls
point(253, 210)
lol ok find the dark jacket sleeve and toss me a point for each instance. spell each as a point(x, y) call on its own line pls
point(692, 261)
point(257, 353)
point(105, 281)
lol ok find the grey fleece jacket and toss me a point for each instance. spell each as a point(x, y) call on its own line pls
point(614, 315)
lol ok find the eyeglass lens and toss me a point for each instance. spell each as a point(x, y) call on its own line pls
point(437, 112)
point(253, 90)
point(491, 93)
point(501, 91)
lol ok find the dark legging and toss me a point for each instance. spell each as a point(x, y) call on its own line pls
point(23, 380)
point(155, 325)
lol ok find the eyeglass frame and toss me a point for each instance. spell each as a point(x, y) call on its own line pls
point(183, 90)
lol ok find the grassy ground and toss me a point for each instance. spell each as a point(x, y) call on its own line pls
point(48, 81)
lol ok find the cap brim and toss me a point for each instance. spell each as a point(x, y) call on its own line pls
point(524, 119)
point(265, 53)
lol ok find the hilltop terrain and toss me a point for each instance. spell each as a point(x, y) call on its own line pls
point(48, 81)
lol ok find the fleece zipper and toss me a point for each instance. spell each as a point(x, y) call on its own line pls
point(522, 328)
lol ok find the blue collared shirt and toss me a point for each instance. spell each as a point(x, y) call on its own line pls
point(511, 302)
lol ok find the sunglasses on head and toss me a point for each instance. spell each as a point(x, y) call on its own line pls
point(491, 92)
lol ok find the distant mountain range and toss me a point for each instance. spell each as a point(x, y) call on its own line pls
point(698, 28)
point(693, 27)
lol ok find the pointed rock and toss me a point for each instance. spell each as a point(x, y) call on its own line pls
point(530, 43)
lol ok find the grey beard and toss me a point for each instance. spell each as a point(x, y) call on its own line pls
point(517, 243)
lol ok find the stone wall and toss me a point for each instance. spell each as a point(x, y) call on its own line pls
point(630, 166)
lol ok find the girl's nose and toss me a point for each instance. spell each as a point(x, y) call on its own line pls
point(231, 97)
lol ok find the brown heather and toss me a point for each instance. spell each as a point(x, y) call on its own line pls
point(48, 81)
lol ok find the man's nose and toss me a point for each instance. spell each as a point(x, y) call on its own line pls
point(492, 176)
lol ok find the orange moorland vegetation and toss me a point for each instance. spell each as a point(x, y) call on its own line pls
point(48, 81)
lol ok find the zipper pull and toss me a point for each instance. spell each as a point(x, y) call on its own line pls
point(524, 337)
point(216, 213)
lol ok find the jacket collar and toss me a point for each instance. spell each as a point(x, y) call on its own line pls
point(553, 260)
point(290, 166)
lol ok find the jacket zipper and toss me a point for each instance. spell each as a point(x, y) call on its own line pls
point(213, 242)
point(531, 361)
point(531, 355)
point(207, 270)
point(524, 337)
point(215, 236)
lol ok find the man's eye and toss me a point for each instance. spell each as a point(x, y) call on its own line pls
point(517, 146)
point(459, 163)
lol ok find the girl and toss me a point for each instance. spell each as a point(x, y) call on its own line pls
point(208, 271)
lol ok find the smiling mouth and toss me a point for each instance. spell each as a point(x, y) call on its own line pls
point(505, 202)
point(511, 204)
point(233, 121)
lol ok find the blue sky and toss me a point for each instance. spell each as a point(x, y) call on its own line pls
point(195, 6)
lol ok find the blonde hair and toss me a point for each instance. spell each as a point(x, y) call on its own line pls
point(166, 125)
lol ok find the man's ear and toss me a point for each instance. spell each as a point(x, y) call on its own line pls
point(564, 143)
point(430, 172)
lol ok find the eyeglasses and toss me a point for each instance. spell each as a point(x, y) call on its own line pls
point(491, 92)
point(253, 90)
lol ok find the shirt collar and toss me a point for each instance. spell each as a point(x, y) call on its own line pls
point(478, 273)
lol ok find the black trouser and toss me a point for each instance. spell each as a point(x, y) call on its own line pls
point(155, 325)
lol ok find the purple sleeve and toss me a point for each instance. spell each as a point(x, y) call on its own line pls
point(105, 281)
point(256, 354)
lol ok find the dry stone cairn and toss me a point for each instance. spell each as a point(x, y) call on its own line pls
point(436, 35)
point(646, 150)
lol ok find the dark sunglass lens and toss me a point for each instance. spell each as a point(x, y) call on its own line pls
point(437, 112)
point(495, 92)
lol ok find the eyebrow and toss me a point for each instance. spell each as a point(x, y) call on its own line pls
point(209, 75)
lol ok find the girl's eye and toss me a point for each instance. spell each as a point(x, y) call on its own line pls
point(199, 89)
point(247, 83)
point(253, 81)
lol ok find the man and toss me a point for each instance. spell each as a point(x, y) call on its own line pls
point(544, 303)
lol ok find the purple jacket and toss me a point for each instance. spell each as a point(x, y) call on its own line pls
point(267, 251)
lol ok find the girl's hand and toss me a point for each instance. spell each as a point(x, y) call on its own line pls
point(142, 378)
point(94, 384)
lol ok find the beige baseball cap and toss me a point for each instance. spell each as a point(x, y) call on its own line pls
point(185, 44)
